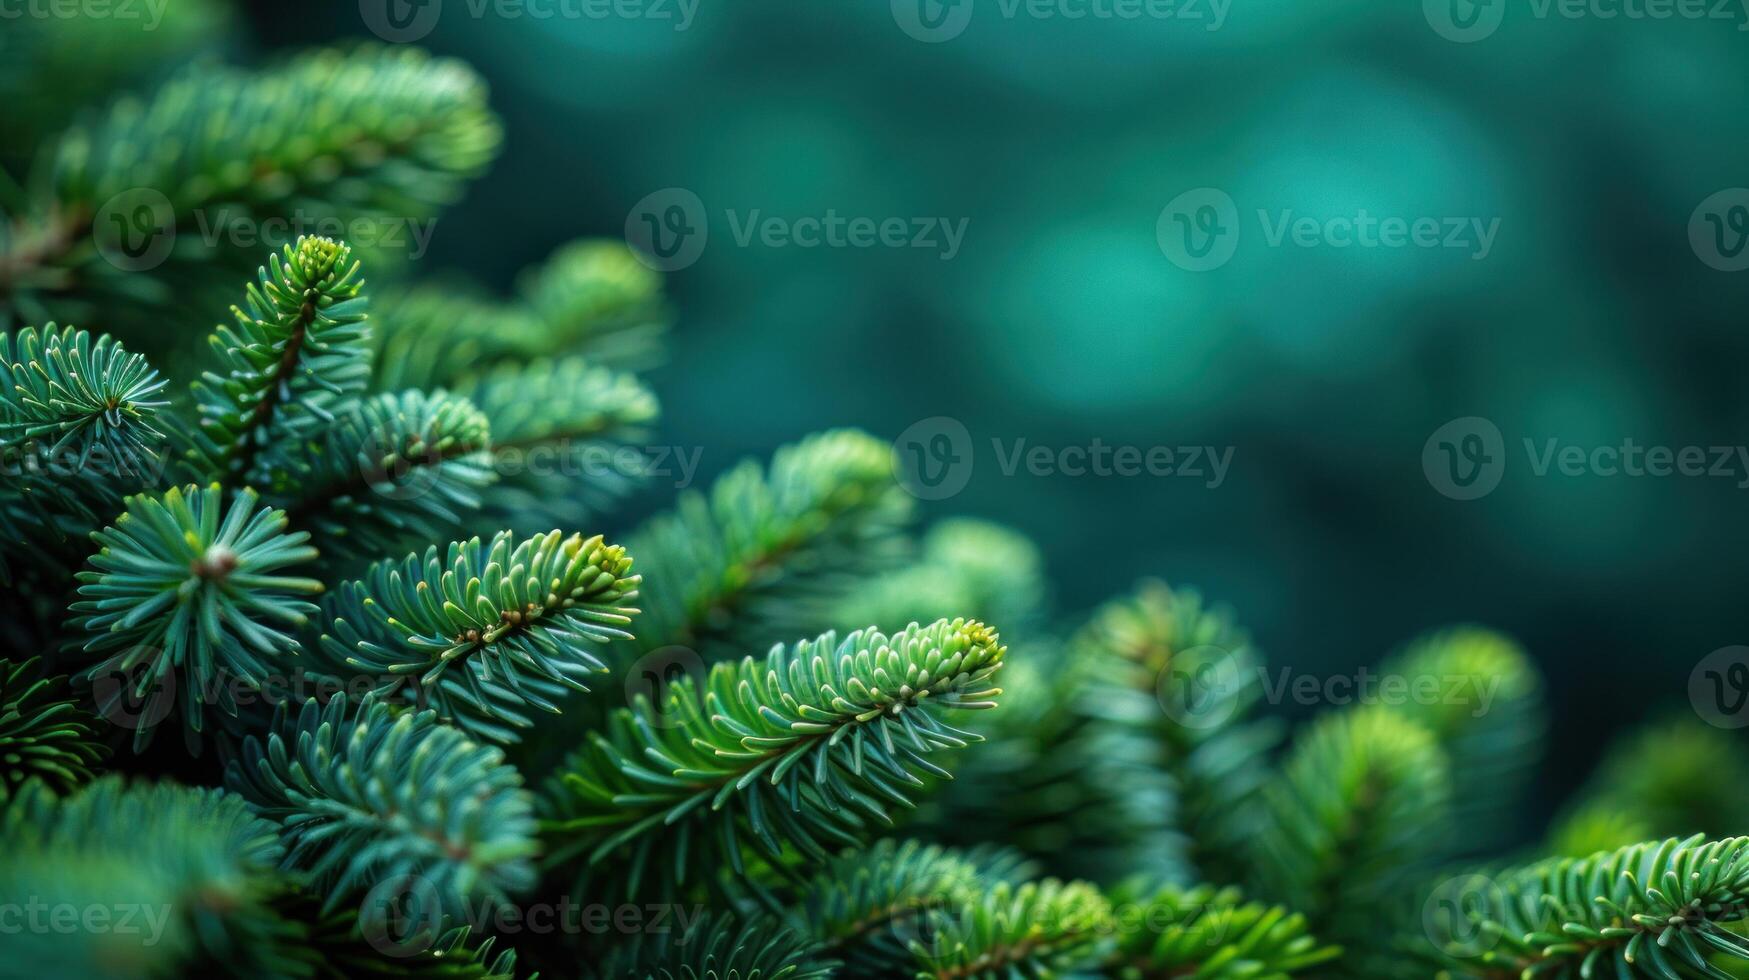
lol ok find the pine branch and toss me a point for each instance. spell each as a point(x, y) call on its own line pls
point(295, 355)
point(434, 334)
point(180, 603)
point(1352, 811)
point(1486, 713)
point(1679, 777)
point(87, 58)
point(42, 737)
point(965, 566)
point(372, 131)
point(558, 431)
point(346, 952)
point(865, 905)
point(597, 299)
point(592, 299)
point(1090, 771)
point(722, 947)
point(1210, 934)
point(398, 801)
point(799, 750)
point(1079, 794)
point(1042, 929)
point(1662, 909)
point(398, 468)
point(767, 552)
point(193, 866)
point(78, 429)
point(487, 633)
point(71, 399)
point(1186, 677)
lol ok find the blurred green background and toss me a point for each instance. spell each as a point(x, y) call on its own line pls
point(1590, 139)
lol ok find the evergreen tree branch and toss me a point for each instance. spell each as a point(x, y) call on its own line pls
point(597, 299)
point(965, 566)
point(398, 468)
point(865, 905)
point(196, 868)
point(767, 552)
point(1487, 717)
point(297, 352)
point(1678, 777)
point(371, 131)
point(1661, 909)
point(180, 602)
point(41, 736)
point(1352, 810)
point(1043, 928)
point(798, 750)
point(558, 430)
point(375, 798)
point(1210, 934)
point(722, 947)
point(487, 633)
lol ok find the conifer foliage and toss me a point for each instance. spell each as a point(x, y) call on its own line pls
point(441, 716)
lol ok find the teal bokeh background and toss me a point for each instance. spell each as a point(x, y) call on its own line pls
point(1592, 319)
